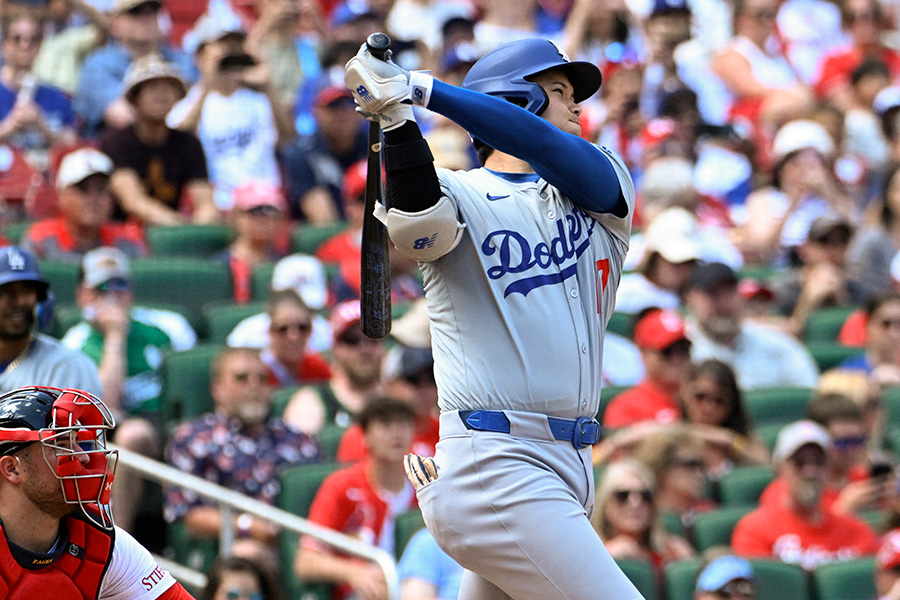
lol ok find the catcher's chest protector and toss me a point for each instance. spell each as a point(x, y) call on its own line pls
point(74, 574)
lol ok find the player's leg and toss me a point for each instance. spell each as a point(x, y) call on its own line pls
point(476, 587)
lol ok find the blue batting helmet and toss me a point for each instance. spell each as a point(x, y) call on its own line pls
point(17, 264)
point(504, 72)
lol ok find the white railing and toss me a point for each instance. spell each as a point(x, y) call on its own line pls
point(230, 501)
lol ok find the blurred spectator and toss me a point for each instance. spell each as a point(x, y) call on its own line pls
point(33, 116)
point(765, 89)
point(668, 25)
point(502, 21)
point(821, 280)
point(724, 577)
point(135, 33)
point(413, 382)
point(866, 394)
point(665, 352)
point(675, 456)
point(864, 136)
point(287, 358)
point(156, 166)
point(305, 275)
point(600, 32)
point(344, 249)
point(240, 446)
point(799, 529)
point(315, 163)
point(804, 188)
point(759, 355)
point(235, 112)
point(334, 54)
point(864, 22)
point(875, 244)
point(712, 405)
point(808, 30)
point(881, 358)
point(85, 206)
point(887, 107)
point(619, 124)
point(259, 221)
point(362, 500)
point(887, 567)
point(423, 20)
point(26, 355)
point(670, 254)
point(629, 520)
point(427, 572)
point(239, 578)
point(287, 37)
point(67, 41)
point(356, 376)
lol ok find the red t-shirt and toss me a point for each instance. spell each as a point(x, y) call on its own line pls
point(353, 444)
point(646, 401)
point(854, 331)
point(776, 492)
point(838, 65)
point(348, 502)
point(773, 531)
point(312, 369)
point(51, 238)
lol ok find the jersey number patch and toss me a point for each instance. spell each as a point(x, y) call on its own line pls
point(602, 279)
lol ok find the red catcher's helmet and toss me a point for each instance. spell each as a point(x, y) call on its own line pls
point(73, 425)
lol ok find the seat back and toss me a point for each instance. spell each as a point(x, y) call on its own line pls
point(221, 317)
point(185, 382)
point(777, 404)
point(197, 241)
point(744, 485)
point(307, 238)
point(640, 573)
point(714, 528)
point(846, 580)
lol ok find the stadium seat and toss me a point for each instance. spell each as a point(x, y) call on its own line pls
point(681, 578)
point(714, 527)
point(63, 279)
point(306, 239)
point(14, 231)
point(824, 324)
point(847, 580)
point(774, 578)
point(198, 241)
point(330, 438)
point(621, 323)
point(672, 523)
point(830, 354)
point(185, 388)
point(197, 554)
point(744, 485)
point(192, 282)
point(281, 397)
point(260, 280)
point(640, 573)
point(406, 524)
point(777, 404)
point(769, 433)
point(891, 398)
point(607, 395)
point(220, 317)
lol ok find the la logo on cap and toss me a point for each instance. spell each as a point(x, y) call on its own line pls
point(16, 260)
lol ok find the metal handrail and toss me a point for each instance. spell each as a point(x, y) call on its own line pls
point(230, 500)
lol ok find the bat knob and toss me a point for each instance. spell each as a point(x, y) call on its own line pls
point(378, 45)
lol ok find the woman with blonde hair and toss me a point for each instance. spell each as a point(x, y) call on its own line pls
point(628, 520)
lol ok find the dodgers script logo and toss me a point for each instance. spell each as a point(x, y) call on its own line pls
point(516, 254)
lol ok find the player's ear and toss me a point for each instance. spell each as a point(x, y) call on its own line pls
point(10, 468)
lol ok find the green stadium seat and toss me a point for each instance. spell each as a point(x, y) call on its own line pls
point(220, 317)
point(185, 387)
point(260, 280)
point(330, 438)
point(640, 573)
point(197, 554)
point(713, 528)
point(672, 523)
point(681, 578)
point(891, 398)
point(824, 324)
point(621, 323)
point(281, 397)
point(849, 580)
point(830, 354)
point(744, 485)
point(306, 239)
point(63, 279)
point(774, 578)
point(769, 433)
point(406, 525)
point(200, 241)
point(191, 282)
point(607, 395)
point(777, 404)
point(15, 231)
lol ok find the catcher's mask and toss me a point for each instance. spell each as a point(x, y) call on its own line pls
point(74, 425)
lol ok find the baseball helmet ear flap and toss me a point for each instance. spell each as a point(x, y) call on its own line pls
point(506, 72)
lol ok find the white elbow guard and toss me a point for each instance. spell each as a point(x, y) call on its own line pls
point(426, 235)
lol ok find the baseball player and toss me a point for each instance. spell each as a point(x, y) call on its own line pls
point(521, 260)
point(57, 537)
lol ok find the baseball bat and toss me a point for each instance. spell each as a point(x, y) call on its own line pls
point(375, 299)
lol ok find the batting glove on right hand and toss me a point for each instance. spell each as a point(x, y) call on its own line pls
point(380, 87)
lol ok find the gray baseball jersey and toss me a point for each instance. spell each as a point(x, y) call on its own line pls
point(49, 363)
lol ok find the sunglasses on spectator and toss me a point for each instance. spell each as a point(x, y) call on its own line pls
point(354, 339)
point(236, 594)
point(803, 461)
point(301, 328)
point(862, 17)
point(762, 14)
point(679, 348)
point(689, 462)
point(116, 284)
point(263, 210)
point(622, 496)
point(704, 397)
point(31, 40)
point(736, 589)
point(846, 443)
point(245, 377)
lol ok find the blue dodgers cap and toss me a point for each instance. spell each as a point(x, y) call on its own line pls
point(722, 570)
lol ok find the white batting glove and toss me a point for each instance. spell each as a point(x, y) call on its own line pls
point(420, 471)
point(380, 87)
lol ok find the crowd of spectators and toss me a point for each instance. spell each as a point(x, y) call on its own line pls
point(764, 140)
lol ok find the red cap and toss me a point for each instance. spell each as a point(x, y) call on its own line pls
point(354, 181)
point(331, 94)
point(657, 131)
point(254, 194)
point(343, 317)
point(659, 329)
point(888, 555)
point(753, 288)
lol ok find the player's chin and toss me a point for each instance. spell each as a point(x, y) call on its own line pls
point(574, 127)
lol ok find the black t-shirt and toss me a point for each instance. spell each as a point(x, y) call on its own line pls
point(165, 170)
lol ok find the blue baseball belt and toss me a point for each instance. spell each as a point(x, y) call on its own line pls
point(582, 432)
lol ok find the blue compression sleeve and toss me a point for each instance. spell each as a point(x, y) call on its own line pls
point(571, 164)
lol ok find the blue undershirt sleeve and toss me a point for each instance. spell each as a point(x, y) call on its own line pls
point(573, 165)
